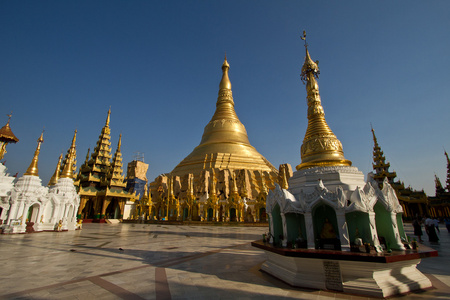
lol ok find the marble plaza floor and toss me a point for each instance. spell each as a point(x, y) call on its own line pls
point(141, 261)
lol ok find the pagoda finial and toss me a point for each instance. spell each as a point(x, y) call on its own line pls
point(68, 166)
point(119, 144)
point(320, 146)
point(33, 168)
point(374, 137)
point(87, 156)
point(303, 37)
point(55, 176)
point(108, 117)
point(225, 82)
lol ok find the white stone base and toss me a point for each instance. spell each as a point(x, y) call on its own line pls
point(354, 277)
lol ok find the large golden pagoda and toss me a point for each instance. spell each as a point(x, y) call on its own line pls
point(320, 146)
point(224, 143)
point(223, 179)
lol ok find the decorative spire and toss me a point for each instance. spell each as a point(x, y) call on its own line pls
point(263, 183)
point(448, 172)
point(225, 82)
point(87, 156)
point(70, 159)
point(108, 117)
point(68, 170)
point(320, 146)
point(115, 176)
point(55, 176)
point(33, 168)
point(6, 137)
point(380, 166)
point(438, 185)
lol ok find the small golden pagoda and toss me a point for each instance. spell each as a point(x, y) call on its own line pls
point(6, 137)
point(220, 177)
point(320, 146)
point(101, 181)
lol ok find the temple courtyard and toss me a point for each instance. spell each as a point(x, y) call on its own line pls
point(159, 261)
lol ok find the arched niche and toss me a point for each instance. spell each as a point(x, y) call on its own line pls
point(359, 220)
point(296, 228)
point(185, 213)
point(233, 214)
point(33, 213)
point(210, 214)
point(385, 228)
point(277, 223)
point(325, 226)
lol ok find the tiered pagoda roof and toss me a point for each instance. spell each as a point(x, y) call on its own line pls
point(380, 166)
point(99, 175)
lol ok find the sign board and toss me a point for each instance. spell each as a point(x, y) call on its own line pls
point(333, 277)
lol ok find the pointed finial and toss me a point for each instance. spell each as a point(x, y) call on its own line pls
point(225, 82)
point(9, 117)
point(108, 117)
point(119, 144)
point(33, 168)
point(303, 37)
point(68, 166)
point(55, 177)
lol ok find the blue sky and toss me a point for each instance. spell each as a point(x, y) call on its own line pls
point(158, 65)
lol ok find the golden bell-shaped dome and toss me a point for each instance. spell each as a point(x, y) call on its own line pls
point(320, 146)
point(224, 143)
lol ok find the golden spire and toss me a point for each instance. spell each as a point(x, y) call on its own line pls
point(71, 155)
point(87, 156)
point(55, 176)
point(108, 117)
point(119, 144)
point(320, 146)
point(33, 168)
point(68, 166)
point(224, 144)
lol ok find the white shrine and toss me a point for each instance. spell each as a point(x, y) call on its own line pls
point(28, 206)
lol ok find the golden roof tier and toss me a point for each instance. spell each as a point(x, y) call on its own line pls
point(6, 137)
point(320, 146)
point(224, 143)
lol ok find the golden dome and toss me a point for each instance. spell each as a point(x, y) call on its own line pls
point(224, 143)
point(320, 146)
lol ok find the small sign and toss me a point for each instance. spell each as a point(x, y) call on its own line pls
point(333, 278)
point(15, 222)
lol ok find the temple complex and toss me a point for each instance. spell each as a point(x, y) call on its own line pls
point(101, 184)
point(439, 205)
point(223, 179)
point(414, 203)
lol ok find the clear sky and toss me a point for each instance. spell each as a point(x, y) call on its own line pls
point(158, 65)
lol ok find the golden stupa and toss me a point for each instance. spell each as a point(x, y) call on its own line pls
point(320, 146)
point(224, 143)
